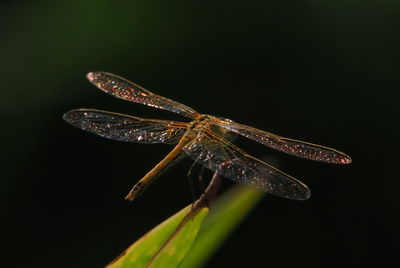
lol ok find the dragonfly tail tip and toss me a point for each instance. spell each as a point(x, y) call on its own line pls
point(130, 197)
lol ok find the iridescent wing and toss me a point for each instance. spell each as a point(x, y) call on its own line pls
point(286, 145)
point(126, 128)
point(127, 90)
point(226, 159)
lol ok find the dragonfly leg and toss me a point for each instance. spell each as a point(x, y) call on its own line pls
point(194, 176)
point(203, 186)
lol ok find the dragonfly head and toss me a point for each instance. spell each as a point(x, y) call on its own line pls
point(224, 119)
point(206, 118)
point(220, 130)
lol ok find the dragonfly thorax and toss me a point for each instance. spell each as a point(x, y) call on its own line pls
point(206, 122)
point(201, 123)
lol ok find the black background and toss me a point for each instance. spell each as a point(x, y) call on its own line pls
point(320, 71)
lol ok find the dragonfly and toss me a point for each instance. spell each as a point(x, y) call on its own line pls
point(204, 139)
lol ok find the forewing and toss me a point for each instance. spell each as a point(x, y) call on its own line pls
point(286, 145)
point(229, 161)
point(126, 128)
point(127, 90)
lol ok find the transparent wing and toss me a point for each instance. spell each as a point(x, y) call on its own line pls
point(229, 161)
point(286, 145)
point(126, 128)
point(127, 90)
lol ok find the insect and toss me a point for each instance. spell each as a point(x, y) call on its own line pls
point(202, 139)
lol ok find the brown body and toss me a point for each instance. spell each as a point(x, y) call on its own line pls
point(201, 124)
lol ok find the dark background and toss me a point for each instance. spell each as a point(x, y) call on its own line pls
point(320, 71)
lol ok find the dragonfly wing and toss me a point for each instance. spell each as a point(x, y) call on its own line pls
point(290, 146)
point(221, 156)
point(127, 90)
point(126, 128)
